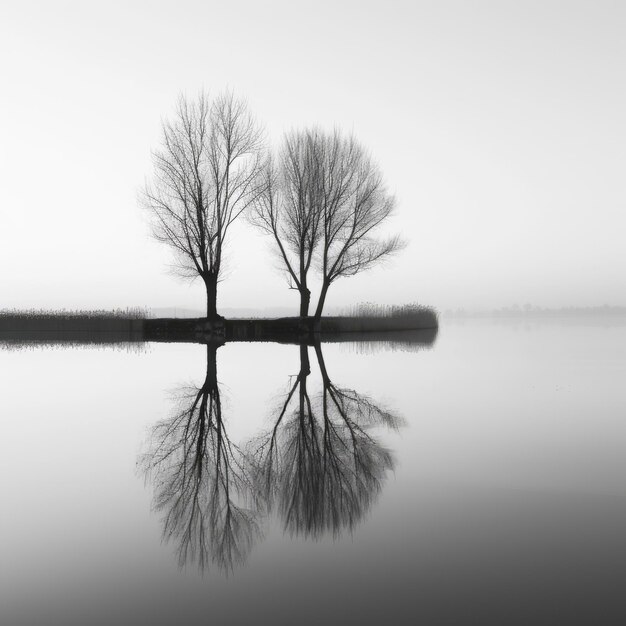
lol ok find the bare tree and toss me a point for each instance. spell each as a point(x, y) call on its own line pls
point(354, 202)
point(288, 208)
point(205, 176)
point(324, 198)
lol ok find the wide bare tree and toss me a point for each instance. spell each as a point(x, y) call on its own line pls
point(206, 173)
point(353, 204)
point(323, 201)
point(288, 207)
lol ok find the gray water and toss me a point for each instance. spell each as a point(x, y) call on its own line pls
point(491, 488)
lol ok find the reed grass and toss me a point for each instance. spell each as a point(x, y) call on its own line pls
point(368, 317)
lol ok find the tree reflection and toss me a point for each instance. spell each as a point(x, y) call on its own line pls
point(200, 479)
point(318, 466)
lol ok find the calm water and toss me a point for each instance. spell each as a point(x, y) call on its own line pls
point(480, 481)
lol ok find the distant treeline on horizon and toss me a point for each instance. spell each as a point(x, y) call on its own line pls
point(535, 311)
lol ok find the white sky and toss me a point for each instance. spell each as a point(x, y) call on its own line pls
point(500, 126)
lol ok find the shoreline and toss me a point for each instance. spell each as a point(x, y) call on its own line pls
point(62, 327)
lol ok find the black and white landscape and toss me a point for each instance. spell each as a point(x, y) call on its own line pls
point(312, 312)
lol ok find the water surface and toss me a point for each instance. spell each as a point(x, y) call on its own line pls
point(478, 481)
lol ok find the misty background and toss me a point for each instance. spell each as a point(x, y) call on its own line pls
point(499, 125)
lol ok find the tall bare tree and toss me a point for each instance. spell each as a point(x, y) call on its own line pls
point(288, 208)
point(353, 203)
point(206, 173)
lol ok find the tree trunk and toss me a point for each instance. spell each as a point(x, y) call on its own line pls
point(305, 367)
point(320, 302)
point(210, 282)
point(320, 362)
point(305, 370)
point(211, 366)
point(305, 300)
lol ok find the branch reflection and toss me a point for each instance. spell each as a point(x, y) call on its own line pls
point(201, 478)
point(318, 466)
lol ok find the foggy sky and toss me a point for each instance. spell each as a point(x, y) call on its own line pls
point(499, 126)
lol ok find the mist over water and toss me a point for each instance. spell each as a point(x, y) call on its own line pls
point(484, 481)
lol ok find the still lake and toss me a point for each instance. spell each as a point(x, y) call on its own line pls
point(478, 480)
